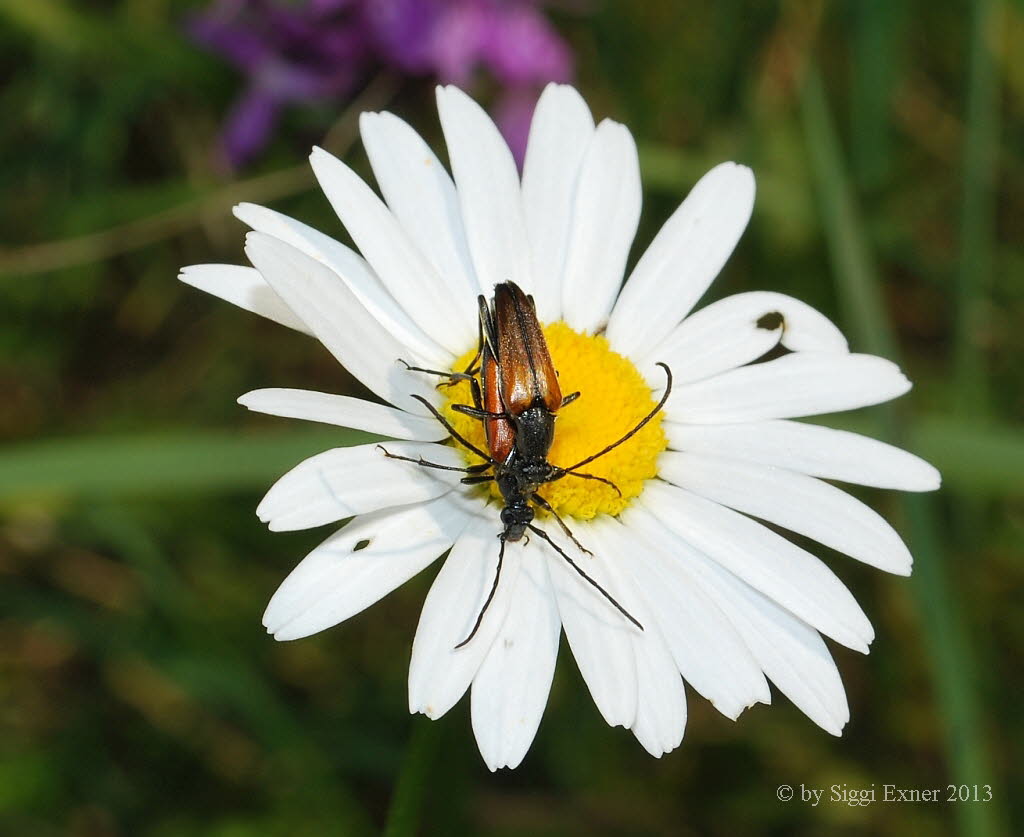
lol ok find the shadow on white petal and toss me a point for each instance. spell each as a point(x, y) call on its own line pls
point(511, 688)
point(488, 187)
point(360, 564)
point(794, 501)
point(244, 287)
point(683, 260)
point(439, 672)
point(809, 449)
point(344, 411)
point(343, 482)
point(560, 134)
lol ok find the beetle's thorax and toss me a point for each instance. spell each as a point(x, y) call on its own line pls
point(535, 431)
point(519, 477)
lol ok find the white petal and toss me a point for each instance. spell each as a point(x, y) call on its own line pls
point(740, 329)
point(405, 272)
point(344, 411)
point(606, 212)
point(800, 384)
point(794, 501)
point(362, 563)
point(339, 321)
point(809, 449)
point(353, 271)
point(791, 653)
point(710, 654)
point(343, 482)
point(683, 260)
point(440, 673)
point(768, 562)
point(561, 130)
point(661, 700)
point(600, 637)
point(422, 196)
point(244, 287)
point(488, 187)
point(511, 688)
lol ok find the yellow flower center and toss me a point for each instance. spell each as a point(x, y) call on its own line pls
point(613, 398)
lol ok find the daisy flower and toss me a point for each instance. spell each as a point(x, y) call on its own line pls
point(726, 604)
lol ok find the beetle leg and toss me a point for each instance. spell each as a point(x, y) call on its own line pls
point(487, 331)
point(474, 412)
point(458, 376)
point(572, 396)
point(490, 596)
point(454, 433)
point(472, 368)
point(477, 480)
point(472, 469)
point(586, 577)
point(453, 377)
point(544, 504)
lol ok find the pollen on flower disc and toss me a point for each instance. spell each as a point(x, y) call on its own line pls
point(613, 398)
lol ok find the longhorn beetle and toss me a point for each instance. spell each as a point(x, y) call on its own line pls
point(517, 397)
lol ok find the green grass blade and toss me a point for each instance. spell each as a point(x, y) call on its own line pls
point(984, 461)
point(859, 293)
point(878, 25)
point(943, 632)
point(161, 462)
point(974, 273)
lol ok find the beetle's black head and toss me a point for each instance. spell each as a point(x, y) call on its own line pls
point(515, 519)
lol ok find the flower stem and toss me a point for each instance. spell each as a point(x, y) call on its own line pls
point(406, 809)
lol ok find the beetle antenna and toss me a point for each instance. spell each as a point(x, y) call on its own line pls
point(657, 409)
point(490, 596)
point(565, 472)
point(586, 577)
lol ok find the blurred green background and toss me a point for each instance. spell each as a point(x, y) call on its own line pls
point(139, 694)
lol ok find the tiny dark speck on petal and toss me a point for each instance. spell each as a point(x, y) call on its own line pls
point(365, 542)
point(771, 321)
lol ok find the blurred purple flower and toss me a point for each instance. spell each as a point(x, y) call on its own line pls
point(307, 53)
point(521, 47)
point(318, 51)
point(513, 113)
